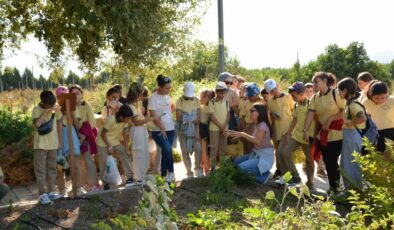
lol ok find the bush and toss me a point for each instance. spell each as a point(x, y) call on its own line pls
point(14, 126)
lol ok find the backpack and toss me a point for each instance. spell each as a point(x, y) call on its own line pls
point(370, 131)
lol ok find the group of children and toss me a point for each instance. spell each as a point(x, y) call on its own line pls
point(321, 117)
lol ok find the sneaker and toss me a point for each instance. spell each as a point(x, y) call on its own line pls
point(106, 187)
point(198, 173)
point(170, 177)
point(280, 181)
point(294, 181)
point(130, 182)
point(44, 199)
point(54, 196)
point(81, 191)
point(267, 179)
point(321, 173)
point(190, 175)
point(139, 182)
point(277, 174)
point(95, 189)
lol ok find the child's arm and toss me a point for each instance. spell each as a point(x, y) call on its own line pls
point(197, 123)
point(38, 122)
point(214, 120)
point(105, 139)
point(59, 126)
point(126, 140)
point(224, 126)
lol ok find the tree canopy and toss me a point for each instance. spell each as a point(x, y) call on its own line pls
point(138, 32)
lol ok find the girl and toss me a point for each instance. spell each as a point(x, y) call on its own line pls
point(108, 143)
point(139, 131)
point(219, 113)
point(328, 106)
point(163, 130)
point(206, 96)
point(381, 107)
point(261, 159)
point(363, 79)
point(112, 103)
point(188, 121)
point(87, 134)
point(354, 117)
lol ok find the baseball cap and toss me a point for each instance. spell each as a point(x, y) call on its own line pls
point(269, 85)
point(223, 76)
point(220, 86)
point(252, 90)
point(298, 87)
point(61, 90)
point(188, 89)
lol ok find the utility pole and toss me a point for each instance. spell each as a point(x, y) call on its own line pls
point(1, 86)
point(221, 36)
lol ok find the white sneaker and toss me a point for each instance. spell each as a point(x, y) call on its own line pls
point(81, 191)
point(198, 173)
point(280, 181)
point(170, 177)
point(44, 199)
point(54, 196)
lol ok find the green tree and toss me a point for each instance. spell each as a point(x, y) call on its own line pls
point(138, 32)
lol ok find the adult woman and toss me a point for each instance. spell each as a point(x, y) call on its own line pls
point(328, 106)
point(160, 105)
point(261, 159)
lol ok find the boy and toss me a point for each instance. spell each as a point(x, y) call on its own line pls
point(294, 137)
point(108, 143)
point(47, 120)
point(280, 107)
point(219, 113)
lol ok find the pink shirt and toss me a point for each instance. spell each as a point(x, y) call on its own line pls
point(267, 137)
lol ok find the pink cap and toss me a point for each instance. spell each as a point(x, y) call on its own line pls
point(61, 90)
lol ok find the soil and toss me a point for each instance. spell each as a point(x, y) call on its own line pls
point(80, 213)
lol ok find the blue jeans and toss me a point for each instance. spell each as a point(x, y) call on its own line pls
point(167, 163)
point(251, 166)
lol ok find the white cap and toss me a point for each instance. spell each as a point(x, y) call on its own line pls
point(269, 85)
point(188, 89)
point(220, 86)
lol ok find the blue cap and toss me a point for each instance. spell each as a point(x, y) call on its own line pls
point(298, 87)
point(252, 90)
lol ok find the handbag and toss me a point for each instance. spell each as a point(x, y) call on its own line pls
point(46, 127)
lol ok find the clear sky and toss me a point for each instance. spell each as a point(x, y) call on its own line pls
point(268, 33)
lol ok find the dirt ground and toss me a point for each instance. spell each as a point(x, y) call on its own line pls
point(80, 213)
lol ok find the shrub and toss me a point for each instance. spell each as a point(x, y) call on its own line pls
point(14, 126)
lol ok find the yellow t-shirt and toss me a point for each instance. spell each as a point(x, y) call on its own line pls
point(49, 141)
point(382, 115)
point(354, 109)
point(300, 112)
point(86, 114)
point(204, 114)
point(114, 131)
point(324, 107)
point(187, 106)
point(137, 111)
point(246, 107)
point(220, 109)
point(283, 107)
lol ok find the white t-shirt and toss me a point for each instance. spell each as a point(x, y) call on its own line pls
point(161, 104)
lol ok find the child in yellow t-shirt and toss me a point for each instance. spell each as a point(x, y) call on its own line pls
point(47, 120)
point(206, 96)
point(280, 107)
point(108, 143)
point(219, 112)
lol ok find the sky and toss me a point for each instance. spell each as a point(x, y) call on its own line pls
point(263, 33)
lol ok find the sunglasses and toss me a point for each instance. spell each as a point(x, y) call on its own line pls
point(228, 82)
point(167, 80)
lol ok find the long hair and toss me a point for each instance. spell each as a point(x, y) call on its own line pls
point(135, 90)
point(263, 115)
point(351, 88)
point(329, 77)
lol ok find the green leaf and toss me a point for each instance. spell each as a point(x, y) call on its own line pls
point(305, 190)
point(287, 177)
point(294, 192)
point(270, 195)
point(254, 212)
